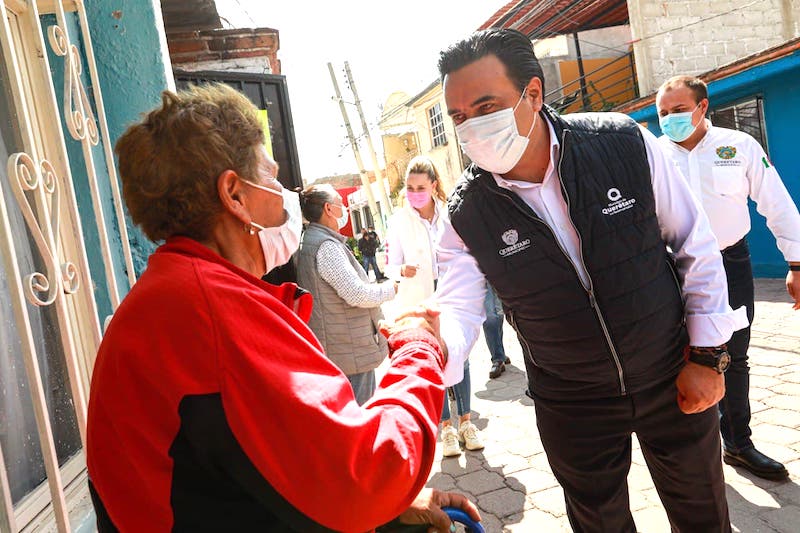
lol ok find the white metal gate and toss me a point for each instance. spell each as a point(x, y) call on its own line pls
point(48, 314)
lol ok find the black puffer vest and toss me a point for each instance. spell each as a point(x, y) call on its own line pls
point(623, 333)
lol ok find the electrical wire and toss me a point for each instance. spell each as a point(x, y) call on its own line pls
point(238, 3)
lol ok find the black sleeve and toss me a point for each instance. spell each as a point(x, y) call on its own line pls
point(282, 274)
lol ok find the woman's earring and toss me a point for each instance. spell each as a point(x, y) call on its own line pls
point(248, 228)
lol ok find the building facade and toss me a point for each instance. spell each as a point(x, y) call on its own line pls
point(419, 125)
point(696, 36)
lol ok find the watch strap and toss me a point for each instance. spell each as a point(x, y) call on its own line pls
point(708, 356)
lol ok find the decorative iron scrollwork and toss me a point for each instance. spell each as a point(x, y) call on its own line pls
point(26, 176)
point(77, 109)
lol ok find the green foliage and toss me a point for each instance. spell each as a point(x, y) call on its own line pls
point(353, 244)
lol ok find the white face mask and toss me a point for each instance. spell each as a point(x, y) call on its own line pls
point(342, 220)
point(278, 243)
point(492, 141)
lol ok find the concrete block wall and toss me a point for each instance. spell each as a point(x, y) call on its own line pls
point(601, 43)
point(240, 49)
point(695, 36)
point(552, 77)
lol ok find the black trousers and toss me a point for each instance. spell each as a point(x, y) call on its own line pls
point(588, 445)
point(735, 406)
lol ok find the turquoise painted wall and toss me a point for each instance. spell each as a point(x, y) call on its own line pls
point(127, 42)
point(130, 50)
point(778, 82)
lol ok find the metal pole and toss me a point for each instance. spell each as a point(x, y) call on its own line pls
point(581, 73)
point(633, 75)
point(378, 174)
point(364, 177)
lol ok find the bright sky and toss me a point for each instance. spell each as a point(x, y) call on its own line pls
point(391, 46)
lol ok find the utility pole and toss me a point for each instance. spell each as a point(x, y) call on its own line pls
point(364, 177)
point(378, 174)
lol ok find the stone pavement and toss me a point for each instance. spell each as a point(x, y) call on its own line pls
point(511, 482)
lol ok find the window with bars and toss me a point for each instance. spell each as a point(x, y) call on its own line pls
point(436, 121)
point(746, 116)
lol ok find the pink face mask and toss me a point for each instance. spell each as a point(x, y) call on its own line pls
point(418, 200)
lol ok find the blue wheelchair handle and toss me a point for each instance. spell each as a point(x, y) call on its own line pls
point(457, 515)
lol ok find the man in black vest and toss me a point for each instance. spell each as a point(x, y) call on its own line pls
point(608, 272)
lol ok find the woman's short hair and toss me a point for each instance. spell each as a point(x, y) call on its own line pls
point(313, 199)
point(170, 161)
point(424, 165)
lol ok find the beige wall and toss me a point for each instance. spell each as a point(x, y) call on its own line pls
point(447, 158)
point(687, 36)
point(398, 151)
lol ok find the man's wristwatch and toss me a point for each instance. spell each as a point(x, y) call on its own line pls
point(717, 358)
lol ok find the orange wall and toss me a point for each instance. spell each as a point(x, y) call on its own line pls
point(605, 83)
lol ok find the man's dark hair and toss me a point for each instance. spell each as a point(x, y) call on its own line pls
point(694, 84)
point(514, 49)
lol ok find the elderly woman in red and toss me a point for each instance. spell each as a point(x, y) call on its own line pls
point(212, 406)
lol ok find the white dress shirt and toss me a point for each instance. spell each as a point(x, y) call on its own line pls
point(684, 227)
point(724, 169)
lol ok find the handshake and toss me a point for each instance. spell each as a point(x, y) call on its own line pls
point(422, 316)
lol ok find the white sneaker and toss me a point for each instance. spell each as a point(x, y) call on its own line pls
point(468, 434)
point(450, 446)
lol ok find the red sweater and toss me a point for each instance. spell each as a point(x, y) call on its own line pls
point(212, 404)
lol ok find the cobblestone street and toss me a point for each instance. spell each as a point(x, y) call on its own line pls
point(511, 481)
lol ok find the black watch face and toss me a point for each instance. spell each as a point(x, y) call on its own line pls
point(723, 362)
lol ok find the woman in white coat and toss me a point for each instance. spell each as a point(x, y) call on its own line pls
point(414, 232)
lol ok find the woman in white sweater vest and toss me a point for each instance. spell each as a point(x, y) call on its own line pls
point(346, 305)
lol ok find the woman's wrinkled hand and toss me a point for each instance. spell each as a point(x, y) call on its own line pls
point(388, 328)
point(427, 509)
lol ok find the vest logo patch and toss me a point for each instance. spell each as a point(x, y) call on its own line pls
point(726, 152)
point(618, 203)
point(511, 237)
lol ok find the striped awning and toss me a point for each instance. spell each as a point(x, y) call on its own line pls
point(540, 19)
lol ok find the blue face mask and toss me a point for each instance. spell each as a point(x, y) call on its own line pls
point(678, 126)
